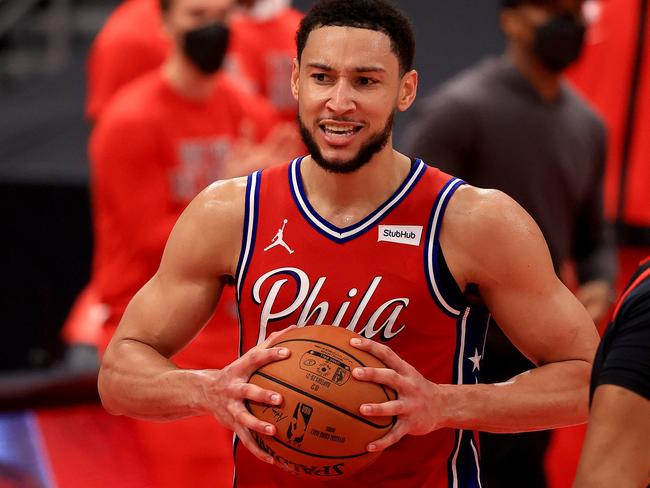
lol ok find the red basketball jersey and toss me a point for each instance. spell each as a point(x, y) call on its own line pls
point(383, 277)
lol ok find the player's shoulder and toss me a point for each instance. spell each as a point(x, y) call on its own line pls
point(482, 206)
point(222, 196)
point(490, 235)
point(217, 212)
point(478, 216)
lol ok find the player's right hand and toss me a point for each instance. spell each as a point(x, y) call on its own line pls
point(228, 390)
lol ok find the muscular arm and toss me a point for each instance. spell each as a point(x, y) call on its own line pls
point(137, 378)
point(616, 449)
point(491, 241)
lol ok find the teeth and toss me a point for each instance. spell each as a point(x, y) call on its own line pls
point(338, 130)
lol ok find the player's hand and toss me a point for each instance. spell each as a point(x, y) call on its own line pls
point(418, 406)
point(228, 393)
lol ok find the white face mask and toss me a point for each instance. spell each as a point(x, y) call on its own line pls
point(267, 9)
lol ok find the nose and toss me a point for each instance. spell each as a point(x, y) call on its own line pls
point(341, 99)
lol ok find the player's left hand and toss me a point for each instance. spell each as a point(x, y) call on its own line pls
point(418, 406)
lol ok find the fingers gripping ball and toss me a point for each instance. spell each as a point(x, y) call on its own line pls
point(320, 433)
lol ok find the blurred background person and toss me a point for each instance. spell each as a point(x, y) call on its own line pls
point(162, 139)
point(616, 450)
point(132, 42)
point(513, 124)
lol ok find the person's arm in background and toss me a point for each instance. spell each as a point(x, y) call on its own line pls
point(441, 134)
point(616, 451)
point(595, 246)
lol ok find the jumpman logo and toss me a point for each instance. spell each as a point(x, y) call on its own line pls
point(278, 240)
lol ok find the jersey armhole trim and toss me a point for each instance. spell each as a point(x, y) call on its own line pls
point(249, 229)
point(441, 296)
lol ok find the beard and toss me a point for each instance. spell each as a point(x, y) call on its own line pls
point(368, 149)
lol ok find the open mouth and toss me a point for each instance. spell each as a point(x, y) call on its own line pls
point(340, 130)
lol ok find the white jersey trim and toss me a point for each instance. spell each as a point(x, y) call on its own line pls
point(351, 231)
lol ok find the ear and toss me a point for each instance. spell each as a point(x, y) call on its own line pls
point(295, 77)
point(408, 90)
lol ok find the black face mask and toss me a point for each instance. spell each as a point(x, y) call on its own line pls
point(206, 46)
point(559, 41)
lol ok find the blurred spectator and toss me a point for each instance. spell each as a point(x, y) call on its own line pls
point(132, 42)
point(162, 139)
point(513, 124)
point(616, 447)
point(614, 74)
point(263, 51)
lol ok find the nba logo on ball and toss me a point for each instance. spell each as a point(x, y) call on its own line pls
point(320, 433)
point(299, 422)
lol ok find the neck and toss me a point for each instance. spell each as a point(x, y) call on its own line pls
point(186, 79)
point(344, 199)
point(545, 81)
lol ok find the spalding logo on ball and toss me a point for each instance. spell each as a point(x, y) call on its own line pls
point(320, 432)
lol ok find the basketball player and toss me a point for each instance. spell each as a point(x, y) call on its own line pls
point(616, 450)
point(405, 255)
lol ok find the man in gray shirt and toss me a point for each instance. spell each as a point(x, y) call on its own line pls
point(511, 123)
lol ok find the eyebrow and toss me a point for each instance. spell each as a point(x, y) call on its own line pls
point(359, 69)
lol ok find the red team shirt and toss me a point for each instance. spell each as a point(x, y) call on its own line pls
point(385, 278)
point(152, 152)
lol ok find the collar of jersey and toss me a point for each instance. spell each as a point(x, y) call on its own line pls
point(345, 234)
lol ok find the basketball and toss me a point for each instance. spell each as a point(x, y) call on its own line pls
point(320, 432)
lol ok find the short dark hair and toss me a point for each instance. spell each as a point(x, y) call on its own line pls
point(164, 5)
point(377, 15)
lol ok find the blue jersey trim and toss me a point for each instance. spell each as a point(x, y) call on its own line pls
point(250, 229)
point(463, 464)
point(342, 235)
point(431, 249)
point(248, 244)
point(471, 329)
